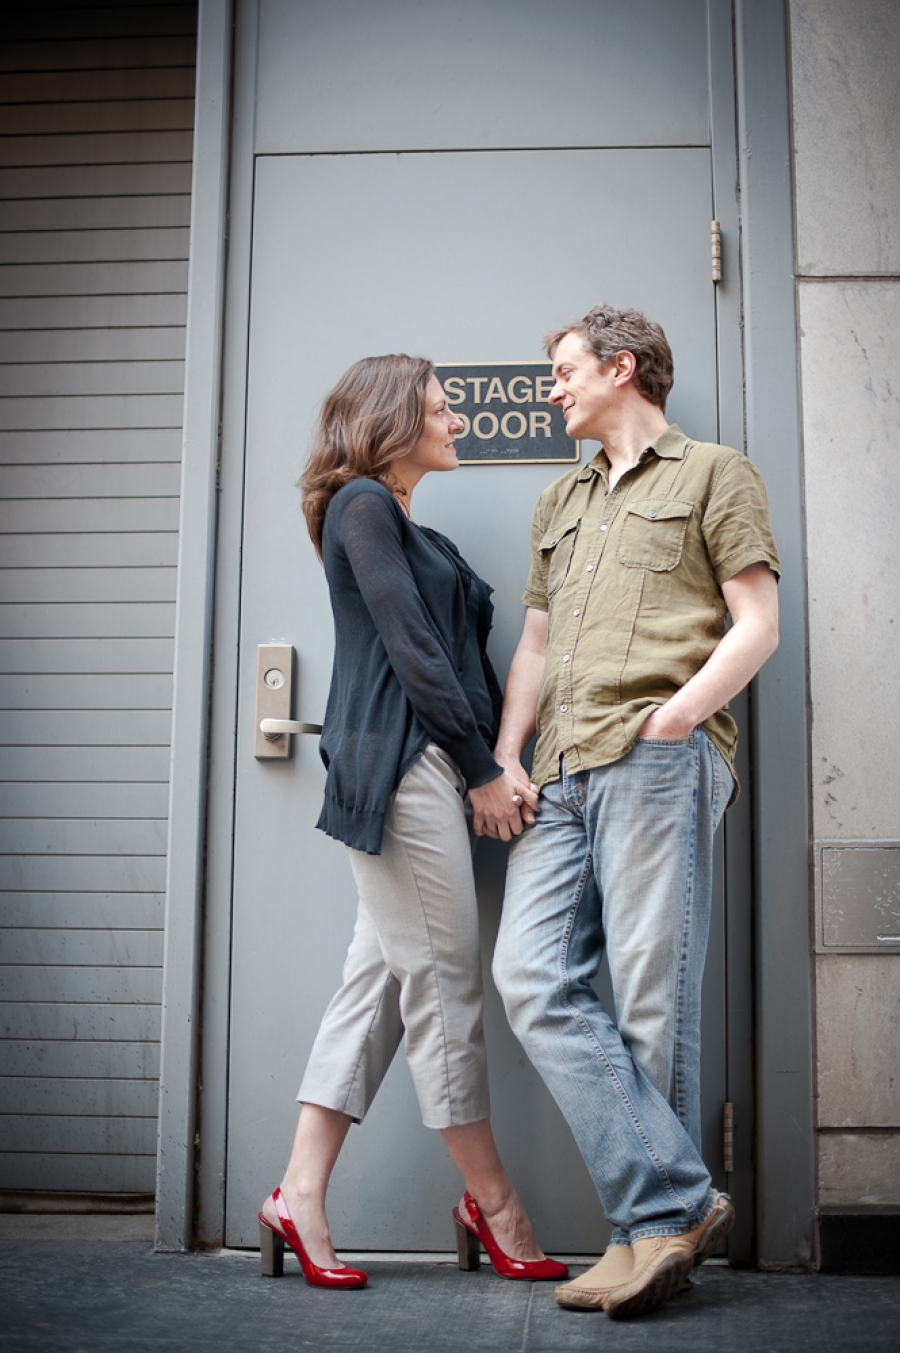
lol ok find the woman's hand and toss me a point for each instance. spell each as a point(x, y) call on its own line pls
point(504, 806)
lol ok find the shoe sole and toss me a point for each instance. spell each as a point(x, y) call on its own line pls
point(583, 1300)
point(666, 1281)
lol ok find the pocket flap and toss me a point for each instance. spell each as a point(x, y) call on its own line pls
point(551, 538)
point(660, 509)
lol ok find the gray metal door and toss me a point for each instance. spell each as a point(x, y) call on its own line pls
point(459, 256)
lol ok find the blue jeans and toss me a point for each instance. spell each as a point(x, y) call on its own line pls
point(621, 858)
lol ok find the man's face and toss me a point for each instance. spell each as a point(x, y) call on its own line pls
point(583, 388)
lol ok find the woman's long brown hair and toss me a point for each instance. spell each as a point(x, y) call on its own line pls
point(374, 415)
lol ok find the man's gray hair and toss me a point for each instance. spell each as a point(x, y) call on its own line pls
point(606, 331)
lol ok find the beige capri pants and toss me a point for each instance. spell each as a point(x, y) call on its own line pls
point(414, 964)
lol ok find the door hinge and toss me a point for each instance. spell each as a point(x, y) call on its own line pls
point(716, 243)
point(728, 1137)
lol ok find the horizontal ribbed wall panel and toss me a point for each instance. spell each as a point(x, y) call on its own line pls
point(85, 692)
point(91, 481)
point(98, 53)
point(75, 948)
point(83, 799)
point(105, 446)
point(92, 85)
point(83, 911)
point(114, 765)
point(100, 312)
point(79, 515)
point(110, 551)
point(91, 345)
point(130, 245)
point(98, 1098)
point(82, 873)
point(88, 214)
point(85, 727)
point(96, 117)
point(38, 183)
point(124, 115)
point(96, 148)
point(138, 986)
point(63, 1057)
point(92, 279)
point(64, 1172)
point(66, 656)
point(86, 1019)
point(93, 411)
point(131, 1134)
point(78, 22)
point(40, 380)
point(87, 584)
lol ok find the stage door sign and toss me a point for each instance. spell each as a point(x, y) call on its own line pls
point(505, 413)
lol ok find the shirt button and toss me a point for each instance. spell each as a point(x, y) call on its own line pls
point(589, 569)
point(564, 709)
point(604, 527)
point(567, 657)
point(576, 613)
point(652, 515)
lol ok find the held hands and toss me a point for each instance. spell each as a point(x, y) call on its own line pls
point(505, 806)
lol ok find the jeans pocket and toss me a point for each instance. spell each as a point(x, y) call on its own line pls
point(723, 782)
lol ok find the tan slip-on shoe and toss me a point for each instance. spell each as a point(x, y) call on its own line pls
point(587, 1291)
point(661, 1263)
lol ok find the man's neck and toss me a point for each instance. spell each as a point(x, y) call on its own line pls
point(626, 439)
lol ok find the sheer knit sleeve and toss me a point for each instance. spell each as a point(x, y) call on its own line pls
point(370, 534)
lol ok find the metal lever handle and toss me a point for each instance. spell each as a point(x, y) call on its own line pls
point(274, 728)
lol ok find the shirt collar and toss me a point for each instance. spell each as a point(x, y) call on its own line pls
point(669, 445)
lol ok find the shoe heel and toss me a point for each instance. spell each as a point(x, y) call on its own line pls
point(468, 1248)
point(271, 1252)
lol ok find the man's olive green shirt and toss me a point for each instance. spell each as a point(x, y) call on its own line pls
point(632, 580)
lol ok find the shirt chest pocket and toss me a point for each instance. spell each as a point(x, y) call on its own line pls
point(556, 549)
point(653, 534)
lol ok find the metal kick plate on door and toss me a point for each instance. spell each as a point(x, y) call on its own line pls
point(274, 686)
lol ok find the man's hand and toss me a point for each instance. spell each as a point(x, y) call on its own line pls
point(513, 767)
point(666, 726)
point(503, 807)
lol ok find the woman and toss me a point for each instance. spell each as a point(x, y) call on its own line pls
point(411, 715)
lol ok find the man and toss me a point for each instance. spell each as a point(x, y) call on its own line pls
point(625, 668)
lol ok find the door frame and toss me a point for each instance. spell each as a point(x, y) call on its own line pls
point(769, 1045)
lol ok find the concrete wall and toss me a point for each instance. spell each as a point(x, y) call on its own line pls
point(846, 116)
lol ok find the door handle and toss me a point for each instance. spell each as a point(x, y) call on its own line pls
point(273, 724)
point(273, 728)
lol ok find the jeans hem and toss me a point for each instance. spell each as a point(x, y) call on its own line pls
point(666, 1229)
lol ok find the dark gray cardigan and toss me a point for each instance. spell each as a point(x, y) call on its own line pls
point(411, 623)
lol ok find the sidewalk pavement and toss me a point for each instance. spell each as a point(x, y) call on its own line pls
point(66, 1287)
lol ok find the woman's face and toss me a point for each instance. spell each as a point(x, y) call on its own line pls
point(435, 449)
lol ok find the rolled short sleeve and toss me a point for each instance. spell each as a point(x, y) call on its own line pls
point(536, 592)
point(736, 525)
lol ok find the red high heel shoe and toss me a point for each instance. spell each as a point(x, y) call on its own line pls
point(271, 1245)
point(470, 1236)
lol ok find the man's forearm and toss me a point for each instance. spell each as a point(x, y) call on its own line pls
point(753, 602)
point(729, 669)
